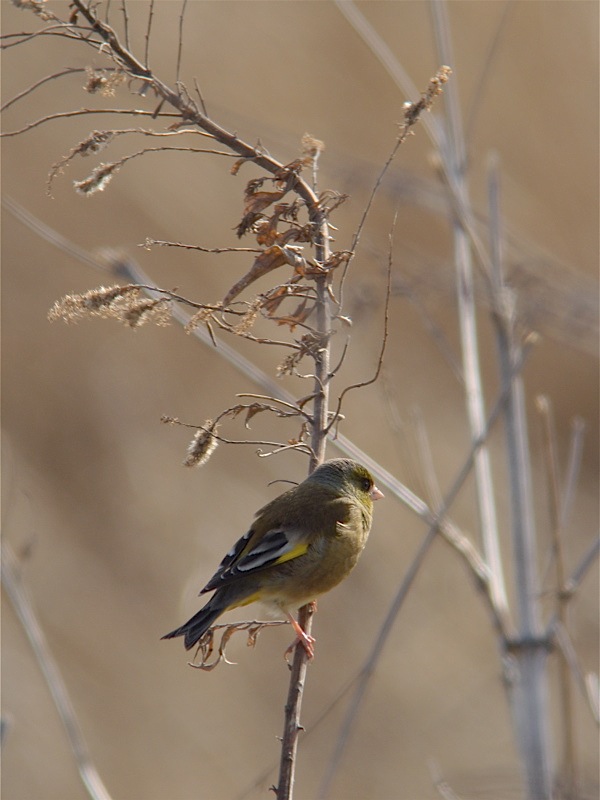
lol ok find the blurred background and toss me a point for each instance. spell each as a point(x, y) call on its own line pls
point(114, 538)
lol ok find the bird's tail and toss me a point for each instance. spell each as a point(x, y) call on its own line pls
point(195, 628)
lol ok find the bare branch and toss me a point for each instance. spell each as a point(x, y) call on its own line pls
point(180, 42)
point(562, 638)
point(148, 30)
point(386, 320)
point(412, 114)
point(41, 82)
point(566, 663)
point(152, 242)
point(81, 112)
point(24, 610)
point(578, 427)
point(125, 22)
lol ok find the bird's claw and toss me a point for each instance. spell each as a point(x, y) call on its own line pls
point(305, 639)
point(307, 643)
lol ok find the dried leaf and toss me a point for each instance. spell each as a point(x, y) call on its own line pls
point(274, 299)
point(268, 260)
point(295, 167)
point(258, 201)
point(237, 165)
point(253, 410)
point(299, 316)
point(266, 232)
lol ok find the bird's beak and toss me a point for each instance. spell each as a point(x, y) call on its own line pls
point(376, 494)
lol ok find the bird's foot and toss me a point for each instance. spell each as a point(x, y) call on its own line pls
point(305, 639)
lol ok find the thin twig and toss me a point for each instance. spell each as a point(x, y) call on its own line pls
point(24, 609)
point(579, 573)
point(569, 654)
point(384, 339)
point(200, 97)
point(84, 111)
point(569, 780)
point(578, 427)
point(484, 75)
point(159, 242)
point(41, 82)
point(148, 30)
point(125, 22)
point(430, 478)
point(180, 42)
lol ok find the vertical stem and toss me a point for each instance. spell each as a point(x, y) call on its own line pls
point(528, 652)
point(454, 158)
point(292, 727)
point(528, 690)
point(569, 762)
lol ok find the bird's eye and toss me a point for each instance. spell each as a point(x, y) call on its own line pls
point(366, 484)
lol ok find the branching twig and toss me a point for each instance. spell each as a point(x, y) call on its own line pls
point(134, 112)
point(384, 338)
point(41, 82)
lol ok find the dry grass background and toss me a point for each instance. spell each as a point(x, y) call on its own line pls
point(115, 537)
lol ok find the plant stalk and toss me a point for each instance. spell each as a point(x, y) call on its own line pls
point(292, 727)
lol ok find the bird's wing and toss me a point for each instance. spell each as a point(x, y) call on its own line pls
point(251, 554)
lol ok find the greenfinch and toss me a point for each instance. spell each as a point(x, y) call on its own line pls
point(300, 545)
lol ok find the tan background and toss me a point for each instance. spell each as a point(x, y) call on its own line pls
point(115, 537)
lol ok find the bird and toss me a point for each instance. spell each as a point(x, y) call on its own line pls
point(299, 546)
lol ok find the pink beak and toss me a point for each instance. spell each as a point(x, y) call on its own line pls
point(376, 494)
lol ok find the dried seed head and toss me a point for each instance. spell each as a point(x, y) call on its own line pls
point(203, 445)
point(95, 303)
point(199, 318)
point(95, 142)
point(97, 181)
point(142, 311)
point(37, 6)
point(103, 81)
point(124, 303)
point(247, 321)
point(312, 147)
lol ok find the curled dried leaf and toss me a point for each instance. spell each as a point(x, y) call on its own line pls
point(295, 167)
point(253, 410)
point(258, 201)
point(268, 260)
point(297, 317)
point(237, 165)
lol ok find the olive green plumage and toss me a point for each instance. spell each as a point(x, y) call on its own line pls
point(300, 545)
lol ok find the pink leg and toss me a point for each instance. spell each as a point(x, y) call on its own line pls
point(305, 639)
